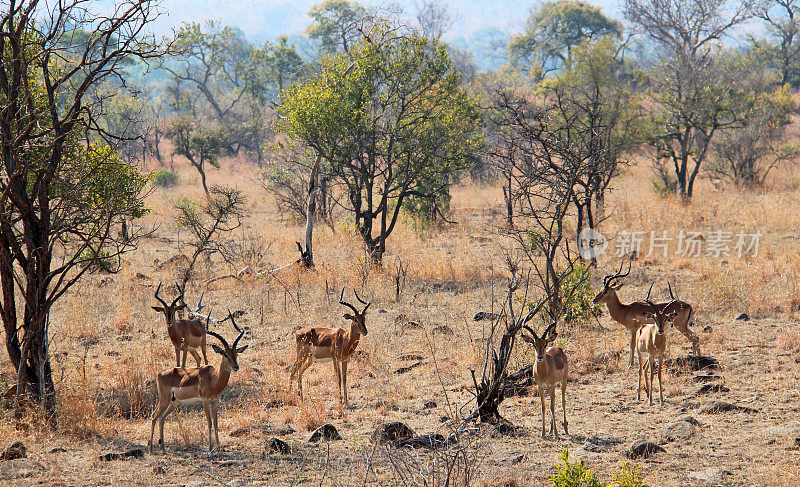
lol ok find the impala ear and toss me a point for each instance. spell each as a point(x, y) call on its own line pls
point(158, 308)
point(349, 316)
point(551, 336)
point(217, 349)
point(617, 286)
point(527, 338)
point(242, 349)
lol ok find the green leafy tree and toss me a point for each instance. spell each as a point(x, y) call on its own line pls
point(199, 145)
point(745, 154)
point(392, 122)
point(62, 200)
point(283, 63)
point(553, 30)
point(335, 24)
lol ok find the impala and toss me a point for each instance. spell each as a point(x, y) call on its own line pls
point(185, 335)
point(632, 315)
point(551, 368)
point(651, 343)
point(194, 386)
point(330, 343)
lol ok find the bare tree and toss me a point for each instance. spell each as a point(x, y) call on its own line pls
point(59, 199)
point(434, 18)
point(220, 213)
point(691, 89)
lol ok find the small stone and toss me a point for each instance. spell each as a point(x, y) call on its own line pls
point(742, 317)
point(714, 476)
point(391, 433)
point(429, 404)
point(327, 432)
point(681, 429)
point(717, 407)
point(597, 443)
point(430, 441)
point(643, 449)
point(133, 453)
point(276, 445)
point(13, 451)
point(711, 388)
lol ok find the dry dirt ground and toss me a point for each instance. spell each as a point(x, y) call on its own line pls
point(414, 365)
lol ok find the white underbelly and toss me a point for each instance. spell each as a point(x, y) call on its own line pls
point(189, 401)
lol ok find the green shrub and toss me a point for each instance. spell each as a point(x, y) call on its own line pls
point(579, 307)
point(165, 178)
point(574, 474)
point(627, 476)
point(99, 260)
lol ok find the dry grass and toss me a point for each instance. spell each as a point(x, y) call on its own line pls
point(110, 345)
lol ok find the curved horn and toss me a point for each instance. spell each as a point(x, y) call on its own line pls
point(530, 330)
point(647, 298)
point(345, 303)
point(670, 291)
point(609, 279)
point(241, 332)
point(180, 295)
point(218, 337)
point(547, 330)
point(158, 298)
point(200, 303)
point(361, 300)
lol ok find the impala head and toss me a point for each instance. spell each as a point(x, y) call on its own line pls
point(169, 310)
point(662, 318)
point(358, 317)
point(229, 352)
point(611, 284)
point(540, 343)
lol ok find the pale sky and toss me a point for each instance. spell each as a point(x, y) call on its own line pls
point(264, 19)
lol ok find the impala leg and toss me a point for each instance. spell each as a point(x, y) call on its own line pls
point(215, 419)
point(301, 370)
point(207, 410)
point(156, 416)
point(203, 350)
point(161, 419)
point(544, 411)
point(660, 386)
point(177, 356)
point(564, 402)
point(633, 345)
point(338, 375)
point(639, 388)
point(183, 360)
point(652, 374)
point(196, 357)
point(344, 383)
point(553, 429)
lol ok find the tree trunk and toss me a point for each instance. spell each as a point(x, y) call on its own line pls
point(307, 254)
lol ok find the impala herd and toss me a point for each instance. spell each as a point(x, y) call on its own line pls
point(646, 322)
